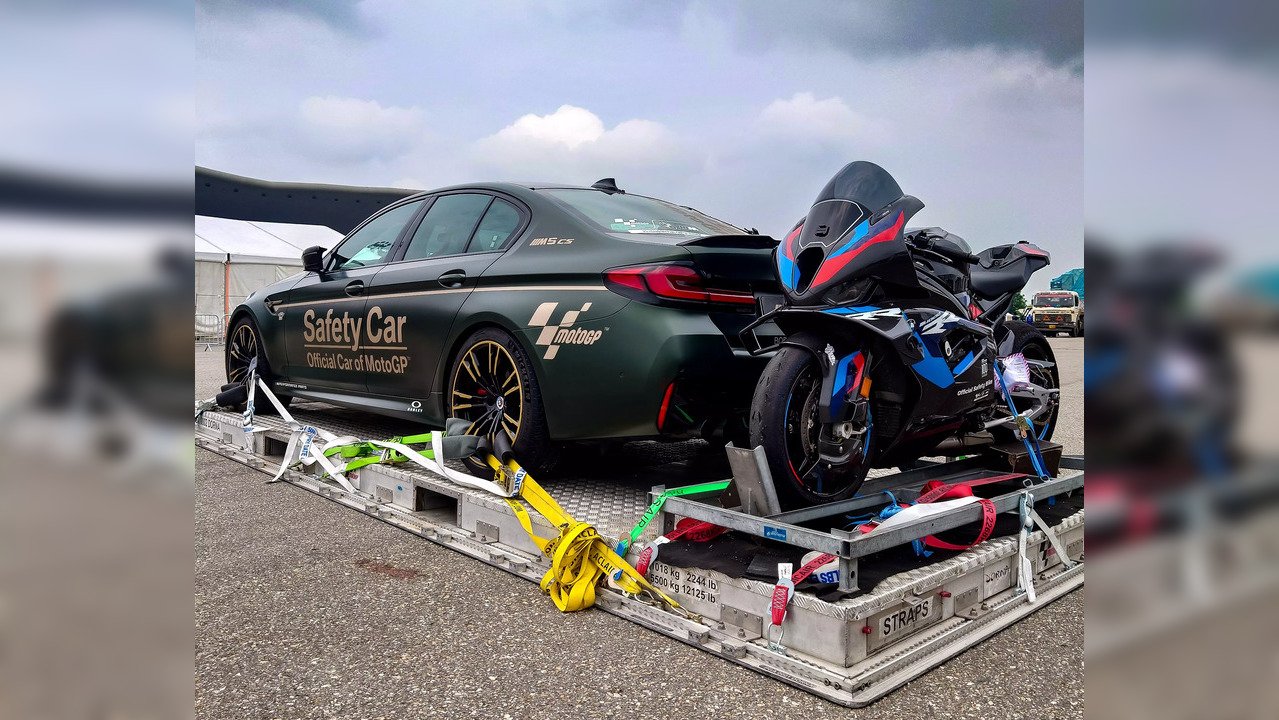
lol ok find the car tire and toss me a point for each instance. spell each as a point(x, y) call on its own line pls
point(244, 342)
point(482, 366)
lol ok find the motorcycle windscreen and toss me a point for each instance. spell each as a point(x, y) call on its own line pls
point(864, 183)
point(838, 243)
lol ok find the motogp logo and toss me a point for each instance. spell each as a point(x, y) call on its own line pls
point(562, 333)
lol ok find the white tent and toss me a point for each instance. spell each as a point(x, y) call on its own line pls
point(235, 257)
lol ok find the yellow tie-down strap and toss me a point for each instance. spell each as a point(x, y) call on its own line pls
point(579, 556)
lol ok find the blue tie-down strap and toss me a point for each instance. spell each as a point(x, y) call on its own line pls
point(1028, 439)
point(890, 510)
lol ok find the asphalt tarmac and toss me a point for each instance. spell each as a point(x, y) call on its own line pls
point(304, 609)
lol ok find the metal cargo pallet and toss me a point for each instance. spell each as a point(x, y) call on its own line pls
point(832, 649)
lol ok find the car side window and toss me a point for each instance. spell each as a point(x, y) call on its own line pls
point(501, 220)
point(447, 226)
point(372, 243)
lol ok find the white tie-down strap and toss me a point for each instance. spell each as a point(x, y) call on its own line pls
point(203, 405)
point(279, 407)
point(314, 442)
point(248, 405)
point(310, 442)
point(1053, 540)
point(303, 442)
point(1025, 582)
point(916, 512)
point(438, 467)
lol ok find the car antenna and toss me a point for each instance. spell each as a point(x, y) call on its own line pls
point(608, 185)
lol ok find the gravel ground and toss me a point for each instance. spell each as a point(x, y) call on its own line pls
point(304, 609)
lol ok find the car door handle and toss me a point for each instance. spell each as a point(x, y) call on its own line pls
point(355, 288)
point(452, 279)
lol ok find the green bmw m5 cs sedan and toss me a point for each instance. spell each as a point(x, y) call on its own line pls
point(556, 313)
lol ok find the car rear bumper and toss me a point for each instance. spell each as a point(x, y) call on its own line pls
point(615, 387)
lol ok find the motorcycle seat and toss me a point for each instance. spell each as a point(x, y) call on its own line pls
point(1004, 269)
point(990, 284)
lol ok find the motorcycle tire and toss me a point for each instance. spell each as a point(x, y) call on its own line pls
point(783, 422)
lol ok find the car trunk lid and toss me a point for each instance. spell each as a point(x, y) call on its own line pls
point(742, 263)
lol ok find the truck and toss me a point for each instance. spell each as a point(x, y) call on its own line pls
point(1057, 311)
point(1069, 280)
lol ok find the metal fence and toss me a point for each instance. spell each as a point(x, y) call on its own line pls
point(210, 329)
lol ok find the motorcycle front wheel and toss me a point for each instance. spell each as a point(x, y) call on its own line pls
point(784, 421)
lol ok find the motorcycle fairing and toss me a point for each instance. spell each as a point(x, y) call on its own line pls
point(853, 229)
point(850, 328)
point(845, 380)
point(955, 370)
point(840, 259)
point(945, 352)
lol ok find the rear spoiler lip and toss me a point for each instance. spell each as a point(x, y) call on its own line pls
point(744, 242)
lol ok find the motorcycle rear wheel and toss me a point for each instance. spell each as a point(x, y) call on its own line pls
point(1032, 344)
point(784, 422)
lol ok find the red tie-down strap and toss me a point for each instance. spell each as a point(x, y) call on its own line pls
point(781, 595)
point(810, 567)
point(936, 490)
point(686, 529)
point(785, 588)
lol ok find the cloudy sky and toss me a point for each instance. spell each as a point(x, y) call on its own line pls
point(743, 111)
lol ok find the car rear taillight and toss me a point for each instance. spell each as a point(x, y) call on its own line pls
point(671, 283)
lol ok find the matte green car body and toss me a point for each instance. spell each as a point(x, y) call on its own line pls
point(603, 361)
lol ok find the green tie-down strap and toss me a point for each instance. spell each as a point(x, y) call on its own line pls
point(656, 506)
point(455, 447)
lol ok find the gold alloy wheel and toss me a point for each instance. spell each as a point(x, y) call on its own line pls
point(241, 350)
point(487, 390)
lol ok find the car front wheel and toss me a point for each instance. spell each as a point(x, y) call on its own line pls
point(492, 386)
point(243, 344)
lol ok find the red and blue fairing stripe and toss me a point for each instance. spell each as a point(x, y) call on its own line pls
point(854, 247)
point(845, 382)
point(933, 367)
point(786, 259)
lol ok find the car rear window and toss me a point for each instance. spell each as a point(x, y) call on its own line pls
point(656, 220)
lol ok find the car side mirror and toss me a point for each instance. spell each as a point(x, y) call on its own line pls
point(313, 259)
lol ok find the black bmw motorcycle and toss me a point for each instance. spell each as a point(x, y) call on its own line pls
point(890, 343)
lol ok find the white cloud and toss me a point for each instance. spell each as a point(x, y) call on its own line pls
point(351, 129)
point(569, 126)
point(804, 116)
point(574, 140)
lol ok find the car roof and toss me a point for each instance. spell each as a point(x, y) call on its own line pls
point(515, 188)
point(527, 190)
point(521, 188)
